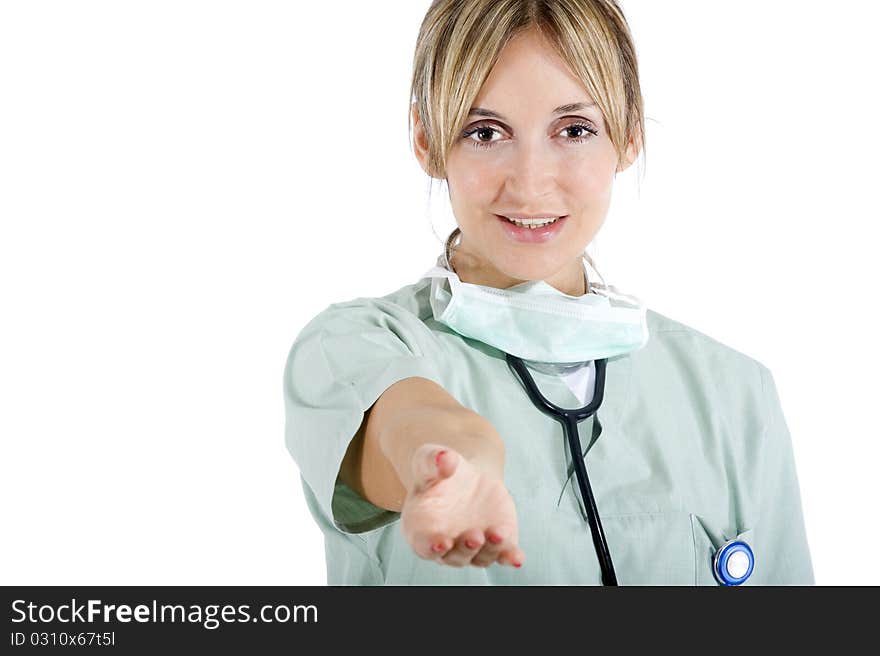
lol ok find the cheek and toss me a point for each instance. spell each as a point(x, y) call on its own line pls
point(588, 183)
point(591, 168)
point(475, 184)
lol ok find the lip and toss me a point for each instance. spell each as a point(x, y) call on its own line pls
point(532, 235)
point(514, 215)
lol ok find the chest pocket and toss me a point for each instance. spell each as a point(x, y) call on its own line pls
point(652, 548)
point(705, 546)
point(664, 548)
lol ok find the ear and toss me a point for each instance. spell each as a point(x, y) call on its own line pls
point(633, 148)
point(420, 141)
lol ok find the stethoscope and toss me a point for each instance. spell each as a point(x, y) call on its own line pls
point(733, 562)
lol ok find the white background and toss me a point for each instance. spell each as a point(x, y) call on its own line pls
point(183, 185)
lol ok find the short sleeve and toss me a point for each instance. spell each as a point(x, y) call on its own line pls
point(782, 555)
point(339, 365)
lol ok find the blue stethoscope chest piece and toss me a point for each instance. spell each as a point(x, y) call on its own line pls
point(733, 563)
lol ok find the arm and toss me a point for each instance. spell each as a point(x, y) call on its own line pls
point(412, 412)
point(782, 554)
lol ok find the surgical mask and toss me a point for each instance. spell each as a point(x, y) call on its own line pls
point(535, 321)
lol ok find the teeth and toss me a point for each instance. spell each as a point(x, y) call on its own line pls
point(532, 223)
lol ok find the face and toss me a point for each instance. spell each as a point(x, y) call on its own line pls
point(529, 160)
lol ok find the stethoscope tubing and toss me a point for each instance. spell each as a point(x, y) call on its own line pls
point(569, 419)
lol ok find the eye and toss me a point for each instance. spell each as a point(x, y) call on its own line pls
point(489, 129)
point(585, 128)
point(480, 130)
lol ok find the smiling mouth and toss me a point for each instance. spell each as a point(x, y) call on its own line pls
point(532, 224)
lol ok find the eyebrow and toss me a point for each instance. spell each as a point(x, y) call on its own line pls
point(562, 109)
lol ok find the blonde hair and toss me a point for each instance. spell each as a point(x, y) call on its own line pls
point(460, 41)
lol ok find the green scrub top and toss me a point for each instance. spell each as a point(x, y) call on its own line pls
point(689, 449)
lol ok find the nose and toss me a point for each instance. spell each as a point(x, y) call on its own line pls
point(532, 172)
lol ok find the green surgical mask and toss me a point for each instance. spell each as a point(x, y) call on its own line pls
point(537, 322)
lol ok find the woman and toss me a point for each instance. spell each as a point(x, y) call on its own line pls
point(423, 459)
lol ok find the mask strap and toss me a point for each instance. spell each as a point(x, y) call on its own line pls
point(610, 290)
point(448, 249)
point(593, 266)
point(603, 289)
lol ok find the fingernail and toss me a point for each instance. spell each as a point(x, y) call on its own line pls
point(495, 539)
point(437, 547)
point(437, 457)
point(470, 544)
point(517, 564)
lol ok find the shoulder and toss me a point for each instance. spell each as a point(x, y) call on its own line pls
point(685, 352)
point(359, 344)
point(702, 382)
point(409, 302)
point(667, 333)
point(400, 314)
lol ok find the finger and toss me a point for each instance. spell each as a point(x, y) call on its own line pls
point(496, 542)
point(485, 557)
point(433, 547)
point(514, 557)
point(466, 546)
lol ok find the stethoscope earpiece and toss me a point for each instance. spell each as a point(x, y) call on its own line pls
point(733, 563)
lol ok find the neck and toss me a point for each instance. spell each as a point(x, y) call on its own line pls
point(470, 268)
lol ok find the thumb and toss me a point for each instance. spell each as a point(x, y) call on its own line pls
point(446, 462)
point(433, 462)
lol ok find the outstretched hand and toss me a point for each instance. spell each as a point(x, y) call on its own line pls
point(456, 514)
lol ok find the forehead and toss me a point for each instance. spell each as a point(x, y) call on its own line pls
point(567, 108)
point(530, 78)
